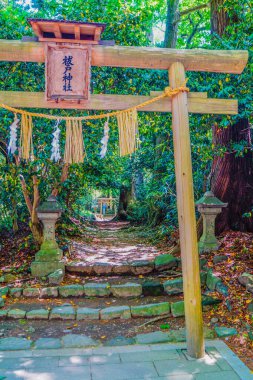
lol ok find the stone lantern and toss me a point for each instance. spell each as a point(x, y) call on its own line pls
point(48, 258)
point(209, 207)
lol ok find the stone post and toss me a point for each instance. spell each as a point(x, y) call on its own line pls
point(48, 258)
point(209, 207)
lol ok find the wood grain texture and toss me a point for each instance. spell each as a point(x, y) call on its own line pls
point(79, 71)
point(118, 102)
point(190, 94)
point(220, 61)
point(77, 32)
point(186, 216)
point(57, 31)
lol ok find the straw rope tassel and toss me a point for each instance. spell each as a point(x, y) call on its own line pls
point(26, 144)
point(128, 131)
point(80, 144)
point(168, 92)
point(74, 147)
point(67, 155)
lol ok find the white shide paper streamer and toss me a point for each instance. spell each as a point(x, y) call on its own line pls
point(12, 147)
point(105, 139)
point(55, 152)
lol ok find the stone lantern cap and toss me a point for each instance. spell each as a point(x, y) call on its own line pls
point(51, 205)
point(210, 201)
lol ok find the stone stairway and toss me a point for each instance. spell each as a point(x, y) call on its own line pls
point(112, 288)
point(101, 300)
point(110, 310)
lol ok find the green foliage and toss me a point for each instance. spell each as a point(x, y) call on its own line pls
point(128, 23)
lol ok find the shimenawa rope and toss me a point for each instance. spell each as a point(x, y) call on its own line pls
point(168, 92)
point(74, 146)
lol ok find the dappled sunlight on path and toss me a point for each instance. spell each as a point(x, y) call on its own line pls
point(112, 243)
point(146, 362)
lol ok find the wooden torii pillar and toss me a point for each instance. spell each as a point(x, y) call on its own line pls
point(177, 62)
point(186, 215)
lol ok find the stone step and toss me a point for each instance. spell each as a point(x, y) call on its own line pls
point(161, 263)
point(69, 312)
point(74, 341)
point(136, 267)
point(80, 312)
point(102, 289)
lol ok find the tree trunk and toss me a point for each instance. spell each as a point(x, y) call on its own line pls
point(64, 176)
point(37, 232)
point(124, 199)
point(219, 17)
point(32, 204)
point(170, 39)
point(232, 178)
point(137, 184)
point(14, 215)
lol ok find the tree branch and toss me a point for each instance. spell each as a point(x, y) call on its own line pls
point(195, 28)
point(26, 194)
point(193, 9)
point(64, 176)
point(189, 40)
point(36, 199)
point(190, 10)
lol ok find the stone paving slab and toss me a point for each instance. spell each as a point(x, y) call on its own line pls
point(37, 314)
point(105, 359)
point(113, 312)
point(71, 291)
point(150, 310)
point(61, 373)
point(47, 343)
point(26, 363)
point(225, 331)
point(123, 371)
point(74, 361)
point(83, 313)
point(181, 367)
point(227, 375)
point(149, 356)
point(222, 363)
point(153, 337)
point(119, 349)
point(144, 362)
point(180, 377)
point(74, 340)
point(31, 292)
point(16, 314)
point(79, 360)
point(120, 341)
point(127, 290)
point(97, 290)
point(63, 312)
point(3, 313)
point(64, 352)
point(49, 292)
point(7, 344)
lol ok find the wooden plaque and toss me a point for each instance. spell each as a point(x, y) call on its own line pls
point(67, 72)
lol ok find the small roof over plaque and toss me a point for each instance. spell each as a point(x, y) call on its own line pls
point(67, 31)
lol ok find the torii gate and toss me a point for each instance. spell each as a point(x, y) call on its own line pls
point(177, 62)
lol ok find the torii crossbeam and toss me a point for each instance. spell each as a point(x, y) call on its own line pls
point(176, 62)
